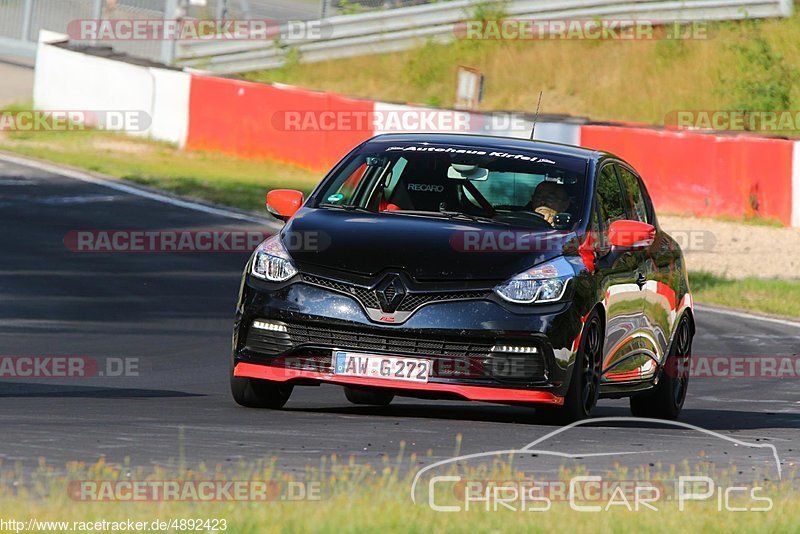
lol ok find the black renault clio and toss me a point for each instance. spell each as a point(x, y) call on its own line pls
point(468, 267)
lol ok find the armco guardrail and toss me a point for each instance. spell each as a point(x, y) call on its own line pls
point(404, 28)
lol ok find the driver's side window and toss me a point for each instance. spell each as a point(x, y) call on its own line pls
point(610, 203)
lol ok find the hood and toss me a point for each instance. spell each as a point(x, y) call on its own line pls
point(426, 248)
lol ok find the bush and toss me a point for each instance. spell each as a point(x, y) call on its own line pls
point(762, 79)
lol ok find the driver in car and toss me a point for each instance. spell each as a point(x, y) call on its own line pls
point(549, 199)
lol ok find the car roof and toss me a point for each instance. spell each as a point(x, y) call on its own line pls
point(493, 142)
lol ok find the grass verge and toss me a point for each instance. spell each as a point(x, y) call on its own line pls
point(767, 296)
point(351, 497)
point(211, 177)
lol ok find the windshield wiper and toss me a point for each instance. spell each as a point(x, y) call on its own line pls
point(347, 207)
point(473, 218)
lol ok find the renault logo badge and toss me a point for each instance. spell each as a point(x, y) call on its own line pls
point(390, 293)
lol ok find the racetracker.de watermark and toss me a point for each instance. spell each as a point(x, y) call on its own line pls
point(192, 29)
point(58, 367)
point(772, 367)
point(396, 120)
point(580, 30)
point(734, 120)
point(206, 240)
point(527, 241)
point(194, 490)
point(503, 366)
point(130, 121)
point(509, 365)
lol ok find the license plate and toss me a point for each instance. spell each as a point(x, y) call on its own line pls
point(376, 366)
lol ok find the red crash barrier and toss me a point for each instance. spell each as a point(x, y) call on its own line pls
point(256, 120)
point(705, 174)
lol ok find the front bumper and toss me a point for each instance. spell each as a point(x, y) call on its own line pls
point(464, 340)
point(409, 389)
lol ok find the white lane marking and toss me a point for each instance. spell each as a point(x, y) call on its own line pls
point(79, 199)
point(53, 201)
point(132, 190)
point(744, 401)
point(745, 315)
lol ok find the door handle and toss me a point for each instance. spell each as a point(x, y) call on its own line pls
point(640, 280)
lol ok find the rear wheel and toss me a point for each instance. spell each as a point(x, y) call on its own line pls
point(254, 393)
point(372, 398)
point(584, 387)
point(666, 399)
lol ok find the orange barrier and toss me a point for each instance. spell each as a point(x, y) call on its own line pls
point(257, 120)
point(705, 174)
point(686, 172)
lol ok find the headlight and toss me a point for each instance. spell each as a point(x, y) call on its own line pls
point(544, 283)
point(272, 262)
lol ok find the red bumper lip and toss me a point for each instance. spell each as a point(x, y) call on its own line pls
point(473, 393)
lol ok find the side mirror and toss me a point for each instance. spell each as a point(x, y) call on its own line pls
point(631, 234)
point(283, 203)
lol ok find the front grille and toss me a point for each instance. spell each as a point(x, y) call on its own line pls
point(366, 296)
point(391, 342)
point(458, 358)
point(413, 300)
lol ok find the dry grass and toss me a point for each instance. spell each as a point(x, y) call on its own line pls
point(638, 81)
point(360, 498)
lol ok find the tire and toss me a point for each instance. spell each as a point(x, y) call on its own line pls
point(254, 393)
point(371, 398)
point(666, 399)
point(584, 386)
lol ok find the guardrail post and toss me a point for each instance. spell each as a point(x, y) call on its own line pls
point(26, 20)
point(168, 45)
point(97, 14)
point(97, 11)
point(222, 9)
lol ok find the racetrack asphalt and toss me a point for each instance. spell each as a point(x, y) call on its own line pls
point(172, 314)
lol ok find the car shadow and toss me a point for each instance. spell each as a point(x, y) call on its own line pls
point(704, 418)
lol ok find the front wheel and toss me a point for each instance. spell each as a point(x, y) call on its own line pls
point(584, 386)
point(254, 393)
point(666, 399)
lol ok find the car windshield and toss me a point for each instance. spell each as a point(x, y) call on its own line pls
point(508, 187)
